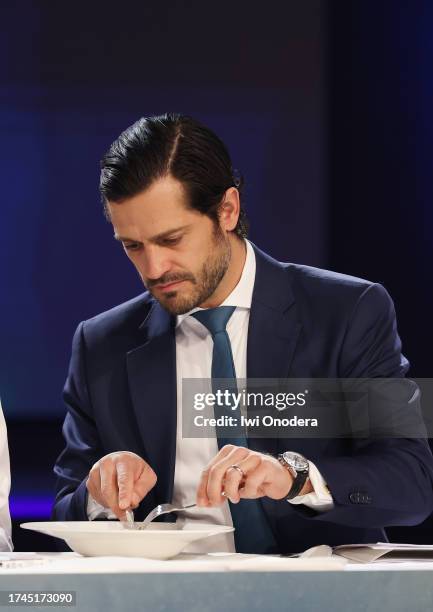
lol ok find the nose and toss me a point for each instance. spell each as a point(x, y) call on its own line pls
point(154, 263)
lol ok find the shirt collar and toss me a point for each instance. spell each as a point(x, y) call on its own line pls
point(242, 294)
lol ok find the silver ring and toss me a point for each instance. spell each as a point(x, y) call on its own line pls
point(236, 467)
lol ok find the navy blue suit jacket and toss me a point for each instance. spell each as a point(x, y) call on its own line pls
point(304, 322)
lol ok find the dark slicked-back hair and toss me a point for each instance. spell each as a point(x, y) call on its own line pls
point(175, 145)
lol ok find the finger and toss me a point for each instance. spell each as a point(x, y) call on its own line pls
point(250, 462)
point(254, 482)
point(125, 482)
point(135, 500)
point(234, 477)
point(202, 497)
point(231, 483)
point(225, 451)
point(93, 484)
point(217, 472)
point(109, 490)
point(144, 483)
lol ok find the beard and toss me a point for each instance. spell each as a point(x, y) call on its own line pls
point(204, 283)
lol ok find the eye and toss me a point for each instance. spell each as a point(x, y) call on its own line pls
point(132, 246)
point(171, 241)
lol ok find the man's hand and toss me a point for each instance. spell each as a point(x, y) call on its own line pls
point(120, 481)
point(255, 475)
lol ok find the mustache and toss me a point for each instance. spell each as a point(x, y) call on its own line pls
point(169, 278)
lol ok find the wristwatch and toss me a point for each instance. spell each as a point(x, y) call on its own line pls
point(298, 467)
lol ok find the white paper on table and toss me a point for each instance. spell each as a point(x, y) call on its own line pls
point(72, 563)
point(13, 560)
point(385, 551)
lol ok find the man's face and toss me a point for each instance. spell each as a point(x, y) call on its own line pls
point(180, 254)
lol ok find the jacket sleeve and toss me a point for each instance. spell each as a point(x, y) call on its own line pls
point(387, 481)
point(82, 447)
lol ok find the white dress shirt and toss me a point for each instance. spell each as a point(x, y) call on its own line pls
point(5, 485)
point(194, 347)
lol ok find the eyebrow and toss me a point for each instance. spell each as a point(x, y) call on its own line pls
point(154, 238)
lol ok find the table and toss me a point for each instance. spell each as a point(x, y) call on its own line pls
point(227, 582)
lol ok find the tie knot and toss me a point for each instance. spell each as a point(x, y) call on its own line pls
point(215, 319)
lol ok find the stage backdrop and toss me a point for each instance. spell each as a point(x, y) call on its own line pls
point(72, 78)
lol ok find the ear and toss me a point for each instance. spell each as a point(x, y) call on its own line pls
point(229, 209)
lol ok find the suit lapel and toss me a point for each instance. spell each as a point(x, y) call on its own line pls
point(273, 328)
point(152, 381)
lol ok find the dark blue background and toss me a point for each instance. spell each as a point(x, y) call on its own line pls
point(326, 108)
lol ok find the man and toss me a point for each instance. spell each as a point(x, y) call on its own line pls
point(218, 307)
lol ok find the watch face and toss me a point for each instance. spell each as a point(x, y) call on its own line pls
point(298, 462)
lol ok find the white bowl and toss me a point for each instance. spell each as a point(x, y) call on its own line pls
point(106, 538)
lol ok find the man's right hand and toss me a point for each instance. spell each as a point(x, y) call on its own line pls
point(120, 481)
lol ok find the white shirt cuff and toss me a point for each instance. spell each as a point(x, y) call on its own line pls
point(95, 510)
point(320, 499)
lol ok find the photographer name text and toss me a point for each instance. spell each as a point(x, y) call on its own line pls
point(256, 421)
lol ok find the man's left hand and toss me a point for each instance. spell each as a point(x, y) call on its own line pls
point(255, 475)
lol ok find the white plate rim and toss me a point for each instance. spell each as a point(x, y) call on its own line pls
point(54, 528)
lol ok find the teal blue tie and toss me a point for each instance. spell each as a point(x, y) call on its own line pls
point(252, 531)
